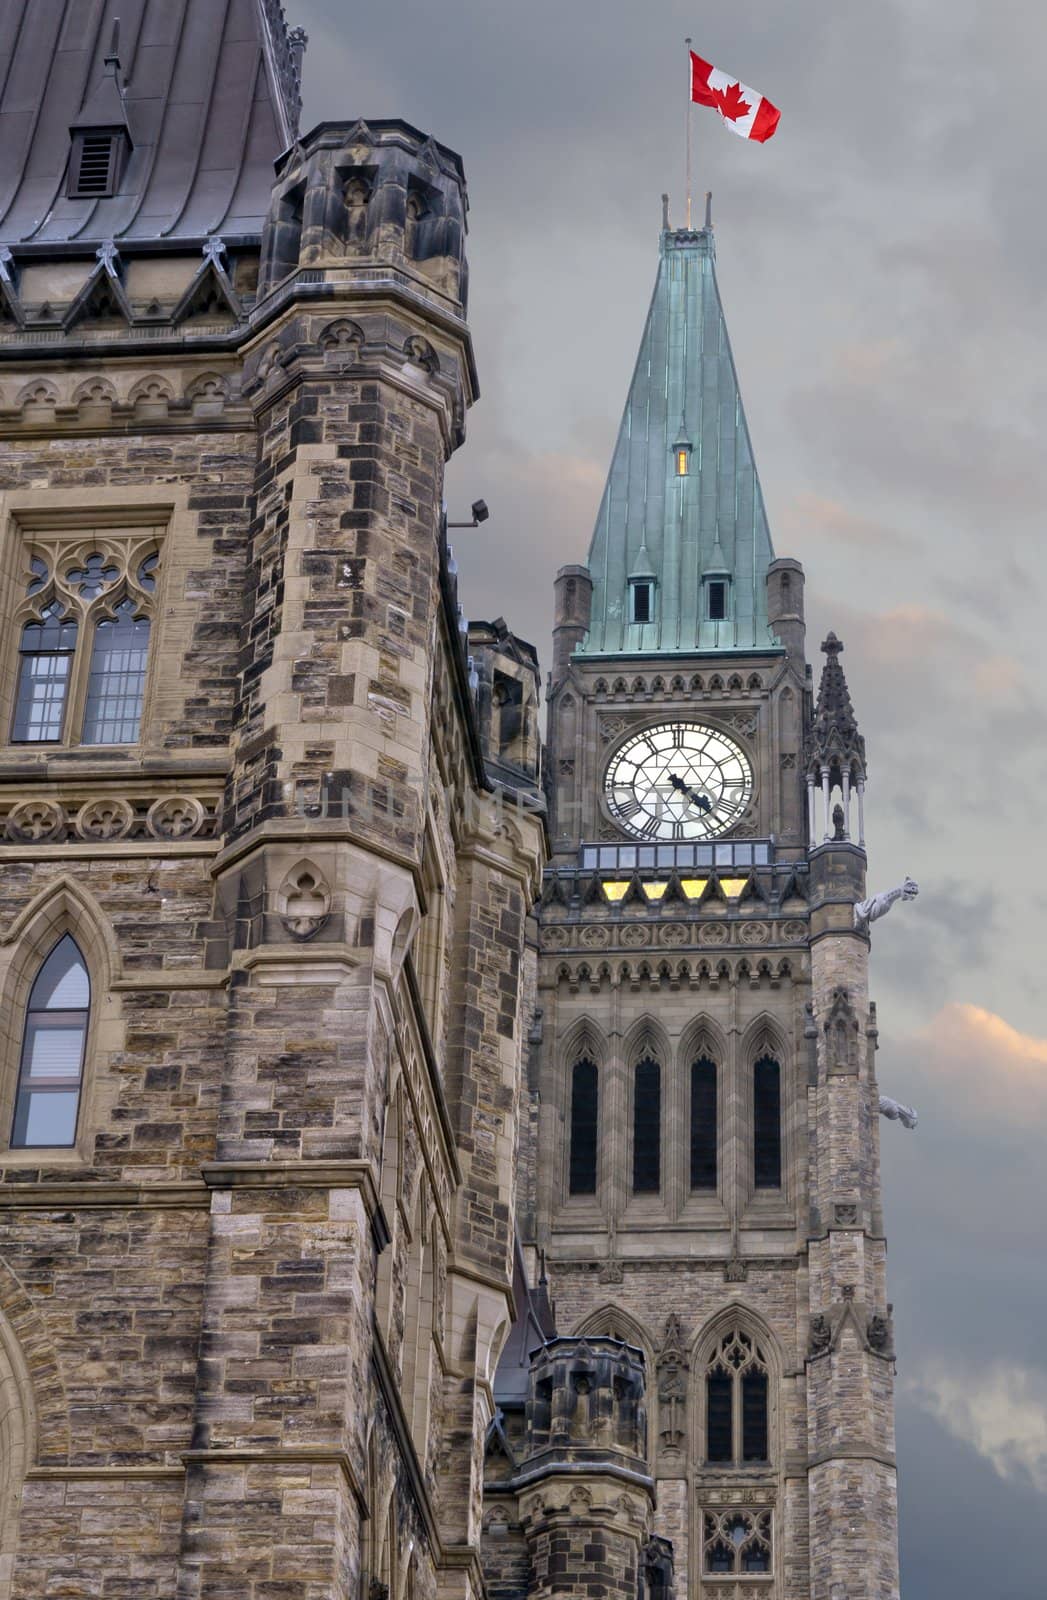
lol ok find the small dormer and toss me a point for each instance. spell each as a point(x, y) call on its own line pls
point(101, 135)
point(643, 584)
point(716, 587)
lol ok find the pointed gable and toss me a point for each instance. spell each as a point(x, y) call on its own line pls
point(683, 500)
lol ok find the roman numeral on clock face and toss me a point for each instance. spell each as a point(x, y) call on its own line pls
point(650, 828)
point(627, 809)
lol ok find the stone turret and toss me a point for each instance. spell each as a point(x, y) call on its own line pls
point(852, 1479)
point(585, 1493)
point(573, 601)
point(370, 191)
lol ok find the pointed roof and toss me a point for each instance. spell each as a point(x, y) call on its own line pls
point(684, 396)
point(210, 94)
point(835, 741)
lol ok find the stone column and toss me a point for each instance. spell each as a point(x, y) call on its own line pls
point(850, 1373)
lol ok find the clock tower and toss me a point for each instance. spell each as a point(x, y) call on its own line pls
point(706, 1184)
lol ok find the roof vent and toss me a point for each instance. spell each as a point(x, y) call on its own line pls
point(101, 134)
point(94, 167)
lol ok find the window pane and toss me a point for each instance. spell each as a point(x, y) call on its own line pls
point(54, 1045)
point(584, 1108)
point(62, 983)
point(53, 1050)
point(703, 1124)
point(46, 1119)
point(719, 1445)
point(117, 681)
point(754, 1418)
point(647, 1128)
point(767, 1124)
point(40, 701)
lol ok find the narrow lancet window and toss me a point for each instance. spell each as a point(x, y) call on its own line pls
point(53, 1047)
point(643, 601)
point(116, 685)
point(647, 1127)
point(584, 1123)
point(703, 1124)
point(767, 1124)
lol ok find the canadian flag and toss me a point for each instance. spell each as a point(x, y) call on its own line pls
point(743, 110)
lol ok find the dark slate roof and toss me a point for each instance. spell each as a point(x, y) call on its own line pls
point(211, 93)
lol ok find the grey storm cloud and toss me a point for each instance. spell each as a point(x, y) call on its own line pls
point(881, 264)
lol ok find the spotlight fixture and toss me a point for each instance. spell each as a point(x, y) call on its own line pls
point(480, 511)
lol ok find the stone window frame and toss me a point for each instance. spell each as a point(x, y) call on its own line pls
point(27, 513)
point(738, 1317)
point(62, 908)
point(647, 1040)
point(585, 1041)
point(749, 1488)
point(703, 1037)
point(765, 1037)
point(62, 547)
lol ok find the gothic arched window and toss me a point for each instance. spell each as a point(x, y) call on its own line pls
point(44, 669)
point(647, 1127)
point(585, 1105)
point(53, 1047)
point(767, 1124)
point(116, 684)
point(736, 1402)
point(703, 1124)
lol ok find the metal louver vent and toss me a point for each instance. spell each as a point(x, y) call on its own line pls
point(94, 175)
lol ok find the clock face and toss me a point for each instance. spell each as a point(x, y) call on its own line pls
point(678, 780)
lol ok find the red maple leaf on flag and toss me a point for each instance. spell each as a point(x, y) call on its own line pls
point(731, 103)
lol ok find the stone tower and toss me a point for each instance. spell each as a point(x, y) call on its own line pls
point(265, 872)
point(707, 1183)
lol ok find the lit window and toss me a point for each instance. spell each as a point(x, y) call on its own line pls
point(683, 463)
point(45, 668)
point(116, 685)
point(53, 1047)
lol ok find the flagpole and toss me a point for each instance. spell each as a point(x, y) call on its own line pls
point(690, 102)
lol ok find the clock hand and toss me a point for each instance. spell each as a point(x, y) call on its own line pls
point(702, 801)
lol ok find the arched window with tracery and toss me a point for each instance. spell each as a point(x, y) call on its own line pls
point(54, 1045)
point(83, 628)
point(647, 1126)
point(767, 1123)
point(704, 1143)
point(585, 1108)
point(737, 1541)
point(737, 1421)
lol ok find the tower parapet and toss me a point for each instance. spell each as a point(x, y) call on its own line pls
point(586, 1496)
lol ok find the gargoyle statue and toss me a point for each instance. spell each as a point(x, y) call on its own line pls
point(878, 905)
point(894, 1111)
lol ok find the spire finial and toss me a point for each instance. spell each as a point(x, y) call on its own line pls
point(708, 210)
point(665, 213)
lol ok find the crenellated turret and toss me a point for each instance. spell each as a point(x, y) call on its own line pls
point(370, 191)
point(585, 1493)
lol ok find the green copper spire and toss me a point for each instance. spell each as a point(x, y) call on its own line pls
point(681, 547)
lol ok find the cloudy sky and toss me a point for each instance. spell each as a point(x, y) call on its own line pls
point(882, 267)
